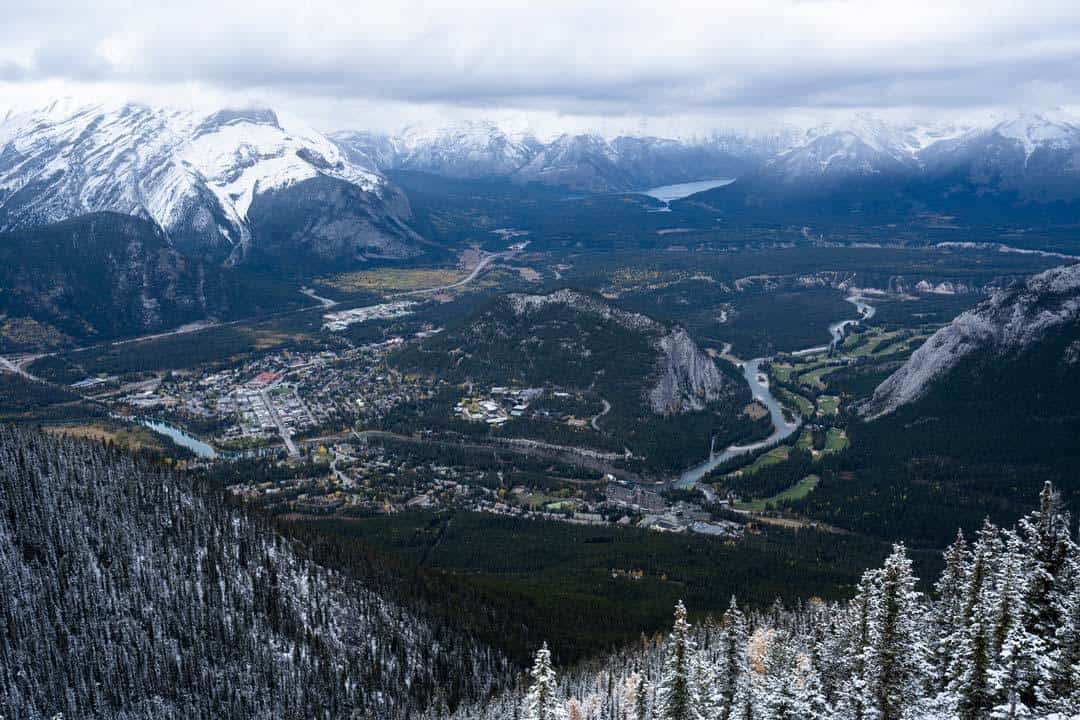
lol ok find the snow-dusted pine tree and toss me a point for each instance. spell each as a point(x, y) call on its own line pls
point(731, 660)
point(542, 701)
point(676, 697)
point(949, 610)
point(974, 652)
point(896, 657)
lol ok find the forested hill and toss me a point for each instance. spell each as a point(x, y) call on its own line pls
point(999, 639)
point(125, 592)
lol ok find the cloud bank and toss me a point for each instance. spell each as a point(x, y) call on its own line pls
point(386, 62)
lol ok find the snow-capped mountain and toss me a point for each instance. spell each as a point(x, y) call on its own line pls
point(476, 149)
point(464, 150)
point(199, 177)
point(860, 147)
point(1036, 155)
point(1010, 322)
point(583, 162)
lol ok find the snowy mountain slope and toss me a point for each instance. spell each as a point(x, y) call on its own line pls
point(141, 595)
point(861, 146)
point(1036, 155)
point(196, 176)
point(582, 162)
point(1010, 322)
point(466, 150)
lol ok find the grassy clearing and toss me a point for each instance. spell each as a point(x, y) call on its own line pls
point(131, 437)
point(805, 441)
point(836, 440)
point(815, 378)
point(800, 403)
point(828, 404)
point(773, 457)
point(796, 492)
point(394, 279)
point(781, 371)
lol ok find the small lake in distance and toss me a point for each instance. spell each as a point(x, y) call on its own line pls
point(667, 193)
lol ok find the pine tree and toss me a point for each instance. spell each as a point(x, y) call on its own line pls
point(1049, 546)
point(812, 701)
point(542, 700)
point(1064, 670)
point(732, 659)
point(949, 609)
point(971, 667)
point(852, 650)
point(676, 698)
point(641, 699)
point(781, 699)
point(1017, 655)
point(896, 668)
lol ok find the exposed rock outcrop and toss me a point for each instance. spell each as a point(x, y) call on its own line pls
point(1008, 323)
point(684, 378)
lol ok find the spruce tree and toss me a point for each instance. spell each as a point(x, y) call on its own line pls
point(949, 610)
point(1049, 547)
point(676, 698)
point(732, 659)
point(971, 667)
point(896, 669)
point(542, 700)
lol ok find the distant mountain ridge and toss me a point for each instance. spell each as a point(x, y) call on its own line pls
point(1029, 157)
point(585, 162)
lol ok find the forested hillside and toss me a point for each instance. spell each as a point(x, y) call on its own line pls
point(126, 592)
point(999, 638)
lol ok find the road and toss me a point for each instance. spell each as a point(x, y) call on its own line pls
point(579, 457)
point(602, 413)
point(17, 369)
point(325, 302)
point(486, 260)
point(283, 430)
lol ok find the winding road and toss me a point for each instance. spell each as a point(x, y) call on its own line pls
point(485, 260)
point(596, 418)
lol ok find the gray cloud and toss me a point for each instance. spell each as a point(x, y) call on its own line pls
point(592, 58)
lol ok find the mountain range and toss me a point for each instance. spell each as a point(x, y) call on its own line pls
point(1032, 154)
point(255, 185)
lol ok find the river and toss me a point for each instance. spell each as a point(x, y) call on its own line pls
point(181, 438)
point(759, 387)
point(667, 193)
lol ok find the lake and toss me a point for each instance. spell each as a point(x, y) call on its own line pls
point(667, 193)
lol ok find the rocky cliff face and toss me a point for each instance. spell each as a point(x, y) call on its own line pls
point(1010, 322)
point(687, 379)
point(683, 378)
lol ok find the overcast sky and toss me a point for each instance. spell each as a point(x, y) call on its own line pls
point(660, 66)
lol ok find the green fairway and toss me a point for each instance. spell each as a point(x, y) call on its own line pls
point(836, 440)
point(796, 492)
